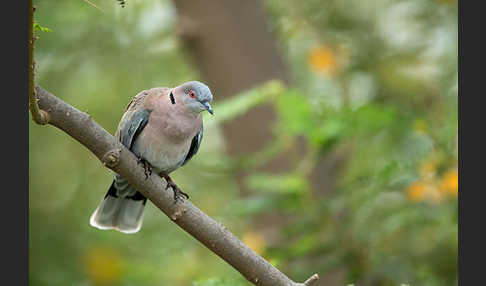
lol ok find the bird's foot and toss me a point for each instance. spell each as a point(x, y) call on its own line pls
point(178, 193)
point(146, 166)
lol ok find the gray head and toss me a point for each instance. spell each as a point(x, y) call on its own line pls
point(195, 95)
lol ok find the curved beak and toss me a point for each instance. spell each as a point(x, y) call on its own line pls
point(208, 107)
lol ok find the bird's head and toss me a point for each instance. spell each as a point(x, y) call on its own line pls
point(195, 95)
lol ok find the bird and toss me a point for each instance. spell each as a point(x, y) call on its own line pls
point(163, 127)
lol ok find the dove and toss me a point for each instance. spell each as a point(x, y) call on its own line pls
point(163, 127)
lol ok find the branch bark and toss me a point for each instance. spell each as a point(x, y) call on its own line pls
point(116, 157)
point(39, 116)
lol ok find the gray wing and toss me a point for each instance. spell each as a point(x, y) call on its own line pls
point(133, 121)
point(195, 143)
point(131, 129)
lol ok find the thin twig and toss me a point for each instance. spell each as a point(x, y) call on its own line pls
point(39, 116)
point(92, 4)
point(311, 280)
point(209, 232)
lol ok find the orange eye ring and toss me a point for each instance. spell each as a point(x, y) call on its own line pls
point(192, 94)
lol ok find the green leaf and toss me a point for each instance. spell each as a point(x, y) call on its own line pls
point(38, 27)
point(295, 113)
point(288, 184)
point(372, 117)
point(244, 101)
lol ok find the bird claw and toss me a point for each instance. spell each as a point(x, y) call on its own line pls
point(178, 193)
point(146, 166)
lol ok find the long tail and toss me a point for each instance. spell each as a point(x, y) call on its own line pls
point(121, 209)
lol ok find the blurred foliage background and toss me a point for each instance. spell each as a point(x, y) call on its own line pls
point(375, 80)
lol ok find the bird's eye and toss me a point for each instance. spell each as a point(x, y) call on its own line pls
point(192, 93)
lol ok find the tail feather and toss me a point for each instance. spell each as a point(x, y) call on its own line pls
point(122, 213)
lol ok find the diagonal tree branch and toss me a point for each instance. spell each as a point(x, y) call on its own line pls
point(209, 232)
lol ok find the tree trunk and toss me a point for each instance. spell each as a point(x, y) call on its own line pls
point(233, 47)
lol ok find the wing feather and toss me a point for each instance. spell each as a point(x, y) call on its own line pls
point(130, 132)
point(195, 143)
point(134, 120)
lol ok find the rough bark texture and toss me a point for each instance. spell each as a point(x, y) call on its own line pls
point(115, 156)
